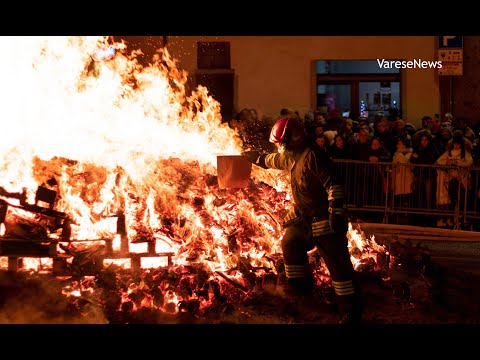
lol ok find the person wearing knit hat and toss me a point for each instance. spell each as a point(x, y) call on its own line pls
point(309, 116)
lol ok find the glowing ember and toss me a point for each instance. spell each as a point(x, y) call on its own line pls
point(29, 264)
point(153, 262)
point(362, 249)
point(123, 263)
point(102, 137)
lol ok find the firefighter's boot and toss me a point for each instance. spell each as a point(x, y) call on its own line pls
point(302, 286)
point(350, 309)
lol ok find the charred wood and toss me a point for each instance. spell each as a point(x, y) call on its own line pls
point(14, 264)
point(203, 293)
point(137, 297)
point(107, 279)
point(215, 286)
point(66, 230)
point(136, 263)
point(17, 227)
point(170, 307)
point(191, 306)
point(198, 202)
point(21, 248)
point(235, 283)
point(45, 195)
point(112, 301)
point(269, 281)
point(366, 265)
point(127, 307)
point(158, 297)
point(244, 265)
point(3, 210)
point(232, 241)
point(210, 180)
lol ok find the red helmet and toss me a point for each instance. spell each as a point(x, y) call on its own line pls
point(287, 131)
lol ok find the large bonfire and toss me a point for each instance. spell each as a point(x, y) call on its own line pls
point(82, 117)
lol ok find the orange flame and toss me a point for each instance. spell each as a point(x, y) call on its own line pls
point(122, 138)
point(102, 137)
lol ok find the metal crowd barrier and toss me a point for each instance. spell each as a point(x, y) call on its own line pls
point(440, 195)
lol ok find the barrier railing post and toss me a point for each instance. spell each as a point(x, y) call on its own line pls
point(387, 193)
point(363, 194)
point(456, 221)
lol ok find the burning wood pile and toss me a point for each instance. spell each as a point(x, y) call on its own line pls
point(108, 183)
point(226, 251)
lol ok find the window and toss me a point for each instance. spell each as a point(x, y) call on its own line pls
point(213, 55)
point(352, 67)
point(358, 86)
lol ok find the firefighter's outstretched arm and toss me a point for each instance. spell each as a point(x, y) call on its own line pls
point(256, 158)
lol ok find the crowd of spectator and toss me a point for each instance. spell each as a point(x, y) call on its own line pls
point(440, 140)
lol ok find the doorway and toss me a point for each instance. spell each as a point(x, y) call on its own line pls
point(358, 88)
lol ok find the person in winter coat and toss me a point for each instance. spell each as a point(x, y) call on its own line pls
point(455, 178)
point(402, 174)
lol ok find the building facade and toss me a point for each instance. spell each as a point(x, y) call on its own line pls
point(268, 73)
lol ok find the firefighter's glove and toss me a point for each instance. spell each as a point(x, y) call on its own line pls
point(256, 158)
point(338, 219)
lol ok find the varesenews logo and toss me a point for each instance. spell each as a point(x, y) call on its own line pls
point(409, 64)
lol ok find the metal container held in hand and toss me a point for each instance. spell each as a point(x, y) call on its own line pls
point(233, 171)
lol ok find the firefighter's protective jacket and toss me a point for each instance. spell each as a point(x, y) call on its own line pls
point(313, 178)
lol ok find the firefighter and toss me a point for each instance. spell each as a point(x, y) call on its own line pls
point(317, 217)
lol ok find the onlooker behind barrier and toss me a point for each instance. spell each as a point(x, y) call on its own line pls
point(453, 182)
point(378, 176)
point(361, 144)
point(463, 125)
point(424, 184)
point(436, 126)
point(383, 131)
point(308, 122)
point(399, 129)
point(340, 149)
point(402, 174)
point(347, 130)
point(426, 122)
point(442, 138)
point(320, 143)
point(447, 120)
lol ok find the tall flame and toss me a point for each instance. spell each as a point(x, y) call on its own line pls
point(121, 138)
point(131, 155)
point(100, 125)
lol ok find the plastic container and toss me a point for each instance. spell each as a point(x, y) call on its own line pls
point(233, 171)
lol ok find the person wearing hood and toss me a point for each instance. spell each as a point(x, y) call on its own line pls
point(402, 173)
point(455, 177)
